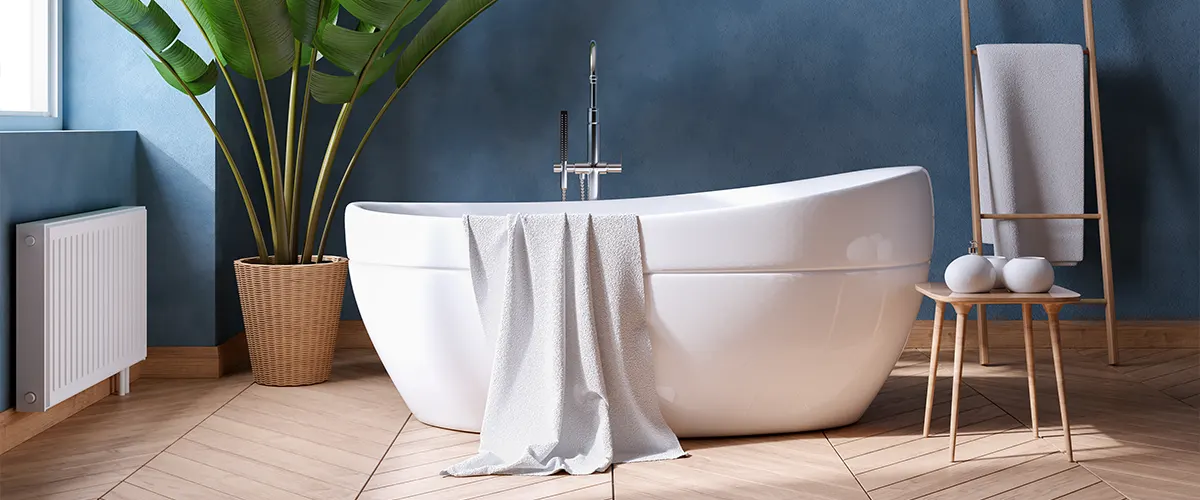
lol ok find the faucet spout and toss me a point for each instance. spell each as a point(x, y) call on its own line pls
point(593, 143)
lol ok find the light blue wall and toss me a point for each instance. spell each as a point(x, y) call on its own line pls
point(717, 94)
point(109, 84)
point(50, 174)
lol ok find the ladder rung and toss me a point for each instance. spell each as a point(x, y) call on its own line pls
point(1039, 216)
point(976, 52)
point(1093, 301)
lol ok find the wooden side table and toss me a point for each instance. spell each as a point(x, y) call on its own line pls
point(1051, 301)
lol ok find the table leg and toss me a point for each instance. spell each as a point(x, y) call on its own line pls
point(1056, 346)
point(935, 344)
point(981, 326)
point(1027, 319)
point(960, 328)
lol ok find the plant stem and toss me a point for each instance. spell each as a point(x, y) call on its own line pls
point(278, 231)
point(337, 195)
point(237, 99)
point(297, 179)
point(335, 139)
point(323, 177)
point(289, 165)
point(366, 135)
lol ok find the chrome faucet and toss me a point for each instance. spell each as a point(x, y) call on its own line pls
point(589, 171)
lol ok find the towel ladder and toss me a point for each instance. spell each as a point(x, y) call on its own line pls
point(1110, 316)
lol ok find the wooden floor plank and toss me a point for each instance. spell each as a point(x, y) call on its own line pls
point(1193, 401)
point(1098, 491)
point(274, 475)
point(461, 489)
point(322, 435)
point(1063, 483)
point(173, 487)
point(1003, 480)
point(126, 491)
point(64, 487)
point(1133, 430)
point(939, 424)
point(589, 487)
point(299, 446)
point(316, 469)
point(897, 475)
point(428, 485)
point(919, 479)
point(597, 492)
point(418, 471)
point(217, 479)
point(975, 424)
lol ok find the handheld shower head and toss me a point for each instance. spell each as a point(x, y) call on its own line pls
point(562, 150)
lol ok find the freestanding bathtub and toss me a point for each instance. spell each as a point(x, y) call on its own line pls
point(776, 308)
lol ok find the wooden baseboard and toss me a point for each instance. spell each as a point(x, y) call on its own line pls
point(197, 362)
point(353, 335)
point(18, 427)
point(1009, 334)
point(1002, 334)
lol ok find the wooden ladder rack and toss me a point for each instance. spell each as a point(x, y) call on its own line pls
point(977, 216)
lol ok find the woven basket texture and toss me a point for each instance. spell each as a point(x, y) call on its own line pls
point(291, 313)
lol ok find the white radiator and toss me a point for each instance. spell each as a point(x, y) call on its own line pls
point(81, 303)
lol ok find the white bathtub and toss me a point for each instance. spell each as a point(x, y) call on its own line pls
point(776, 308)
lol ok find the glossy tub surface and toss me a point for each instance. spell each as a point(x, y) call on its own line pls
point(775, 308)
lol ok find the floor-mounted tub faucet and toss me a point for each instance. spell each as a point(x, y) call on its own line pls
point(589, 171)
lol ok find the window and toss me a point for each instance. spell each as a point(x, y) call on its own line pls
point(29, 64)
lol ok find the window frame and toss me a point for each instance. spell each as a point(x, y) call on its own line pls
point(52, 118)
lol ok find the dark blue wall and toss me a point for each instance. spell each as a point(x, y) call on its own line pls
point(697, 96)
point(51, 174)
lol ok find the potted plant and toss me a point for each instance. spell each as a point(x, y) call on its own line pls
point(291, 292)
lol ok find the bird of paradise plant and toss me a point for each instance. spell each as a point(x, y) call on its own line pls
point(267, 39)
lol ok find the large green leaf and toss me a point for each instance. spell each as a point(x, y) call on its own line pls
point(345, 48)
point(199, 13)
point(150, 22)
point(199, 85)
point(338, 89)
point(444, 24)
point(306, 18)
point(399, 15)
point(375, 12)
point(410, 14)
point(178, 64)
point(184, 61)
point(269, 25)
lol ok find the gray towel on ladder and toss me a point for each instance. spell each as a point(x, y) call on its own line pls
point(1029, 132)
point(572, 384)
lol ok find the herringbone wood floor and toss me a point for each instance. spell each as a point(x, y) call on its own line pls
point(1136, 432)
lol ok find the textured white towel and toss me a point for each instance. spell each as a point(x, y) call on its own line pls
point(1029, 132)
point(572, 385)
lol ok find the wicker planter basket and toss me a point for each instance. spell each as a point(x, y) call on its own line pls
point(291, 315)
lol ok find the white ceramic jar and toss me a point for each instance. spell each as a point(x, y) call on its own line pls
point(998, 263)
point(1029, 275)
point(970, 274)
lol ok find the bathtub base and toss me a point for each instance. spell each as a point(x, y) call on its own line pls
point(734, 353)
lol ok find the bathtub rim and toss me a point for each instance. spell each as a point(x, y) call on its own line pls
point(885, 174)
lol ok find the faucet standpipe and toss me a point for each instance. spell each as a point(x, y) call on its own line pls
point(589, 172)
